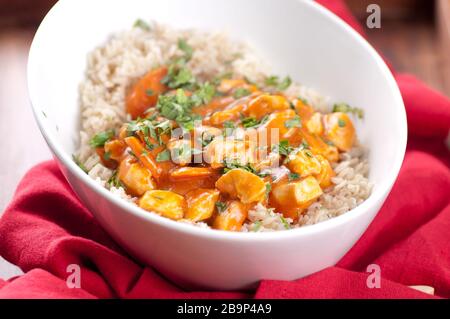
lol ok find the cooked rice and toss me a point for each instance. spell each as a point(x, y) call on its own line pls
point(128, 55)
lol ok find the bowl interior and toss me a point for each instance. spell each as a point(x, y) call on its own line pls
point(298, 38)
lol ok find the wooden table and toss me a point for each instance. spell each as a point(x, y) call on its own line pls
point(22, 144)
point(411, 47)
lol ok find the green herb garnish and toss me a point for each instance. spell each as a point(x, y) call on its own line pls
point(249, 122)
point(229, 124)
point(204, 94)
point(241, 92)
point(131, 153)
point(252, 122)
point(142, 25)
point(233, 164)
point(280, 85)
point(341, 123)
point(186, 48)
point(107, 156)
point(304, 101)
point(163, 156)
point(114, 181)
point(100, 139)
point(221, 206)
point(257, 226)
point(176, 107)
point(282, 148)
point(149, 92)
point(268, 189)
point(285, 223)
point(345, 108)
point(294, 122)
point(80, 165)
point(293, 176)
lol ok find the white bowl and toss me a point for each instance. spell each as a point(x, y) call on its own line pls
point(299, 38)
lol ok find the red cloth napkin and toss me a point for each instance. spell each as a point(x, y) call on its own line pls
point(46, 228)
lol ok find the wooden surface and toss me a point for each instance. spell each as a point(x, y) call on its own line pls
point(414, 48)
point(443, 25)
point(22, 145)
point(411, 47)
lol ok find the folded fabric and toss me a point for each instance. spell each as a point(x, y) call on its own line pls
point(46, 228)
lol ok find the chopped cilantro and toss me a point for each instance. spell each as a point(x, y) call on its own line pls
point(294, 122)
point(149, 92)
point(268, 189)
point(345, 108)
point(226, 75)
point(163, 156)
point(142, 25)
point(100, 139)
point(221, 206)
point(249, 122)
point(252, 122)
point(178, 76)
point(229, 124)
point(293, 176)
point(341, 123)
point(130, 152)
point(186, 48)
point(241, 92)
point(282, 148)
point(229, 128)
point(285, 223)
point(107, 156)
point(303, 100)
point(206, 139)
point(80, 165)
point(229, 165)
point(272, 80)
point(257, 226)
point(114, 181)
point(280, 85)
point(204, 94)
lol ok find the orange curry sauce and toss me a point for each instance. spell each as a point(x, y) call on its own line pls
point(231, 177)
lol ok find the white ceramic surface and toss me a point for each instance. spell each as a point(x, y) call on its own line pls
point(299, 38)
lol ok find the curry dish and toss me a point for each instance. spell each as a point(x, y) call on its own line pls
point(209, 151)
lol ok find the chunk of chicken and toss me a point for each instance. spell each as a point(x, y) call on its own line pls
point(230, 149)
point(304, 110)
point(183, 173)
point(231, 113)
point(292, 198)
point(303, 163)
point(265, 104)
point(136, 177)
point(326, 172)
point(180, 151)
point(201, 204)
point(144, 93)
point(319, 146)
point(275, 126)
point(241, 184)
point(232, 218)
point(339, 130)
point(116, 149)
point(164, 203)
point(314, 124)
point(229, 85)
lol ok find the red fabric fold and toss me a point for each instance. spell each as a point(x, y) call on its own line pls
point(46, 228)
